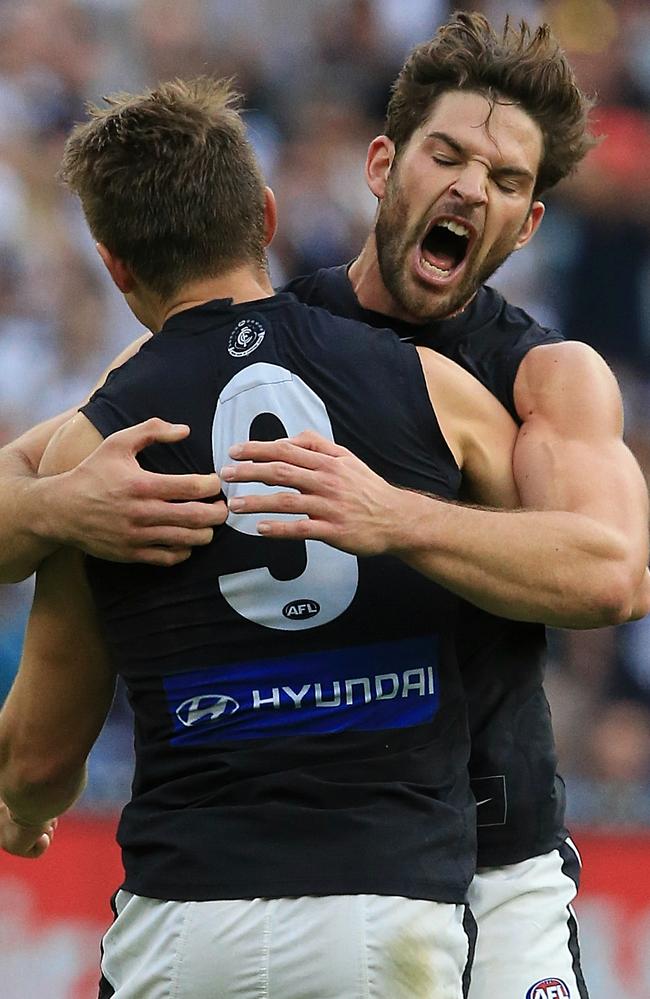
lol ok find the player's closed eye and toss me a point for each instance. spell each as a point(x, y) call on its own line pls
point(508, 187)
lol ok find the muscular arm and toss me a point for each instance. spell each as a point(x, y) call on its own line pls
point(64, 686)
point(577, 561)
point(570, 456)
point(55, 709)
point(108, 505)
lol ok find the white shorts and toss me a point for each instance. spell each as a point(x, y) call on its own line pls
point(334, 947)
point(527, 945)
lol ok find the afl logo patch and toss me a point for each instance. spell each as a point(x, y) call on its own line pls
point(245, 338)
point(548, 988)
point(301, 610)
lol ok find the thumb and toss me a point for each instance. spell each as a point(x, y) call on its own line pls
point(153, 431)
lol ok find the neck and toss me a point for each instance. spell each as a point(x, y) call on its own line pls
point(368, 285)
point(242, 284)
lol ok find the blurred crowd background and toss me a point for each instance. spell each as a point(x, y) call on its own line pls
point(316, 75)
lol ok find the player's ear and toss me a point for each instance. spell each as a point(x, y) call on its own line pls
point(531, 225)
point(120, 273)
point(270, 215)
point(381, 153)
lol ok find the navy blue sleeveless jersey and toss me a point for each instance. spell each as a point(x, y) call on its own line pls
point(513, 762)
point(300, 723)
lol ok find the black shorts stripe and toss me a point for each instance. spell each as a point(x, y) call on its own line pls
point(471, 931)
point(106, 990)
point(571, 868)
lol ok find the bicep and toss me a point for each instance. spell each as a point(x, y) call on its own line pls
point(570, 454)
point(595, 475)
point(72, 442)
point(65, 682)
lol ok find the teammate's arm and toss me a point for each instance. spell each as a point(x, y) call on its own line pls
point(570, 455)
point(580, 565)
point(108, 505)
point(55, 709)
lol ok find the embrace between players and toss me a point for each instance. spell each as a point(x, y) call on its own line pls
point(307, 797)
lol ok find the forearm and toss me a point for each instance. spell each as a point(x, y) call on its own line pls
point(26, 503)
point(33, 801)
point(563, 569)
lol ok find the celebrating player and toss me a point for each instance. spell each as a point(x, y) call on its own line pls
point(301, 810)
point(477, 128)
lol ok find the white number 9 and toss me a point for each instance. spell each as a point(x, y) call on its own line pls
point(327, 586)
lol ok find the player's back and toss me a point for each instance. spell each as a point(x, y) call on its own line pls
point(300, 725)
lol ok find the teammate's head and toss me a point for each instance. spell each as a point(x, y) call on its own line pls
point(477, 126)
point(522, 67)
point(169, 184)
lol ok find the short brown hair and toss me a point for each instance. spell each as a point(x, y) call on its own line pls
point(520, 66)
point(169, 183)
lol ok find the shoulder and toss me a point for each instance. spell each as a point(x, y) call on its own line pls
point(311, 288)
point(565, 380)
point(118, 361)
point(490, 340)
point(141, 360)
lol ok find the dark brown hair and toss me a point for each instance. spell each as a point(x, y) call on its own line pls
point(169, 183)
point(520, 66)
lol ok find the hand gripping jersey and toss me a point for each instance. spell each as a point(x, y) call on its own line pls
point(519, 795)
point(300, 723)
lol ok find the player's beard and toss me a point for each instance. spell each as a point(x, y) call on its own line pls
point(394, 250)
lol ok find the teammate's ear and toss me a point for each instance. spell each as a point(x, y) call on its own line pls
point(531, 225)
point(381, 153)
point(120, 273)
point(270, 215)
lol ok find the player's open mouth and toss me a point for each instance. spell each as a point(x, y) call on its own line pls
point(444, 249)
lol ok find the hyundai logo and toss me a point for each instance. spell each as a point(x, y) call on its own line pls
point(206, 707)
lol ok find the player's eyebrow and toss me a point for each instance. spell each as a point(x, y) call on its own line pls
point(503, 170)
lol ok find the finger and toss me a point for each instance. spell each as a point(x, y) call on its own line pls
point(26, 841)
point(192, 486)
point(279, 450)
point(186, 514)
point(272, 473)
point(291, 503)
point(152, 431)
point(297, 530)
point(160, 556)
point(313, 441)
point(173, 537)
point(40, 846)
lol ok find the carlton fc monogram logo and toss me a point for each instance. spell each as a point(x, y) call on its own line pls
point(245, 338)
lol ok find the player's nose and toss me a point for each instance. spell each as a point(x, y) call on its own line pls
point(471, 184)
